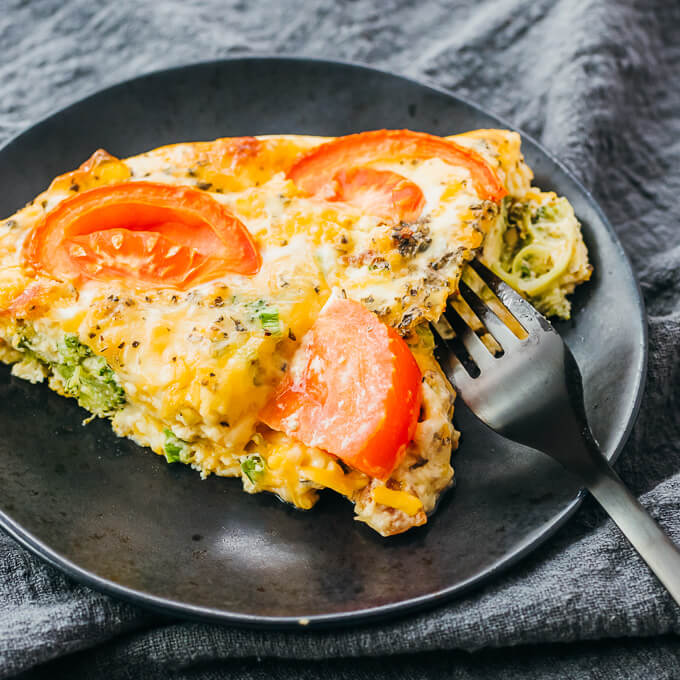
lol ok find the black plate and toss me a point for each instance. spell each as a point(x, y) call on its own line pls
point(122, 520)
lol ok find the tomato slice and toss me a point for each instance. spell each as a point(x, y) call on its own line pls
point(317, 168)
point(353, 389)
point(379, 192)
point(150, 232)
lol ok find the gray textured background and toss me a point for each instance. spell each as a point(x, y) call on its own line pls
point(598, 82)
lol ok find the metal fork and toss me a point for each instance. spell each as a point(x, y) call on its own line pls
point(523, 382)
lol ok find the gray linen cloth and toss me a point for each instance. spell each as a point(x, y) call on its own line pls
point(598, 82)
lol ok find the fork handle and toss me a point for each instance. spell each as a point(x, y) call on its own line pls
point(653, 545)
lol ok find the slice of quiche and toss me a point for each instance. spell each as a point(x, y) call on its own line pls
point(260, 307)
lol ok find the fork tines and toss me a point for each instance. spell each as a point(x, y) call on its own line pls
point(477, 326)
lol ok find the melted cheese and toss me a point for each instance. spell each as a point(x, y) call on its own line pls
point(200, 365)
point(400, 500)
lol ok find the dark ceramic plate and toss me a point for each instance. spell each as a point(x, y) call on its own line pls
point(122, 520)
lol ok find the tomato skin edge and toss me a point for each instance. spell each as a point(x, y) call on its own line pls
point(41, 252)
point(413, 397)
point(316, 167)
point(301, 402)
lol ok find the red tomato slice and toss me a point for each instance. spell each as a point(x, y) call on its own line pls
point(353, 389)
point(318, 167)
point(379, 192)
point(155, 233)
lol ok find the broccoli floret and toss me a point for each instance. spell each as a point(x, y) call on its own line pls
point(176, 450)
point(72, 350)
point(268, 316)
point(82, 374)
point(253, 467)
point(88, 378)
point(552, 212)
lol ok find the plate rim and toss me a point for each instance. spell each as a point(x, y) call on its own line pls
point(170, 606)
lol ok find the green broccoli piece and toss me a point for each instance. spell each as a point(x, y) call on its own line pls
point(88, 378)
point(551, 212)
point(176, 450)
point(72, 350)
point(254, 467)
point(268, 316)
point(270, 321)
